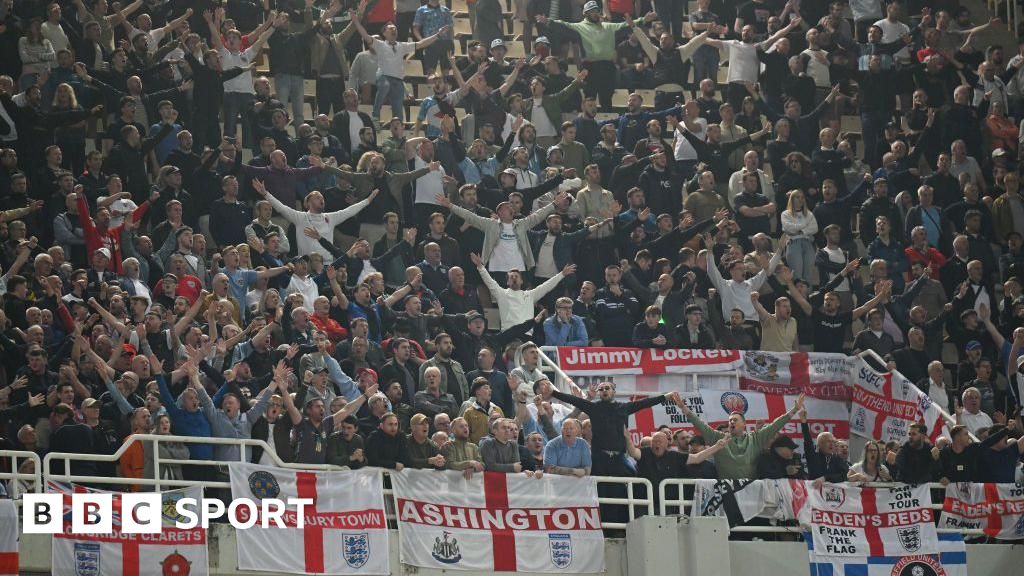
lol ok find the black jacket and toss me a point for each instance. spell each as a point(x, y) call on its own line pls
point(832, 468)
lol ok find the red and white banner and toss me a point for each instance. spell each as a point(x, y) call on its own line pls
point(715, 406)
point(998, 509)
point(172, 551)
point(824, 376)
point(8, 538)
point(345, 530)
point(850, 521)
point(499, 522)
point(884, 405)
point(649, 361)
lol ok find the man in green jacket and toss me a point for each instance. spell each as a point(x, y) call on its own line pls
point(598, 40)
point(546, 125)
point(738, 459)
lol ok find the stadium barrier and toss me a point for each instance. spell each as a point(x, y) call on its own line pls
point(639, 493)
point(638, 500)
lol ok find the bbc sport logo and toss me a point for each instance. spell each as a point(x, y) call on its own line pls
point(145, 513)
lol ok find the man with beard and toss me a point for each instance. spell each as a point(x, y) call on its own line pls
point(461, 453)
point(313, 430)
point(739, 458)
point(657, 462)
point(744, 64)
point(453, 377)
point(916, 462)
point(670, 63)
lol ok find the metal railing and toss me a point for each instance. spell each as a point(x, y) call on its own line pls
point(685, 507)
point(14, 477)
point(635, 503)
point(1006, 10)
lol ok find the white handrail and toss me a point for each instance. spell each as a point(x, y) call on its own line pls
point(14, 476)
point(685, 506)
point(636, 505)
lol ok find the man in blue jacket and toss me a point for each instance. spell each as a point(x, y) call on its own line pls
point(565, 328)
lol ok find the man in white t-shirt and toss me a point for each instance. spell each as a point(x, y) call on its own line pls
point(238, 92)
point(391, 55)
point(893, 29)
point(744, 65)
point(154, 36)
point(429, 186)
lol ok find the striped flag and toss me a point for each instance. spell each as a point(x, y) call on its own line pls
point(951, 560)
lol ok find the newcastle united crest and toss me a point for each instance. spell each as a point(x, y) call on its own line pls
point(446, 549)
point(356, 549)
point(560, 546)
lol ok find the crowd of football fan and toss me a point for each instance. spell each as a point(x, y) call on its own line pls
point(355, 298)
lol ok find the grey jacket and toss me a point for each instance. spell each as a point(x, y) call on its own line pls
point(460, 375)
point(499, 456)
point(492, 231)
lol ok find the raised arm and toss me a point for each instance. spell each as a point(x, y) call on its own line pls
point(707, 452)
point(353, 406)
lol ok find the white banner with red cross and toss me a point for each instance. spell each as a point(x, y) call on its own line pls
point(499, 522)
point(998, 509)
point(172, 551)
point(885, 404)
point(344, 531)
point(848, 520)
point(818, 375)
point(8, 538)
point(715, 406)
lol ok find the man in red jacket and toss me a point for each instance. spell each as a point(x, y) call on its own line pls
point(98, 234)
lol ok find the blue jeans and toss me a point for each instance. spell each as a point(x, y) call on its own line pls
point(705, 64)
point(392, 89)
point(234, 104)
point(800, 256)
point(291, 88)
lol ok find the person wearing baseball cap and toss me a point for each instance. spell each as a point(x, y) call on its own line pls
point(598, 40)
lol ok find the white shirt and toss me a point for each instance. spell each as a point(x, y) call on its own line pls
point(975, 422)
point(546, 267)
point(153, 37)
point(55, 34)
point(118, 210)
point(13, 135)
point(683, 149)
point(367, 270)
point(816, 69)
point(891, 32)
point(265, 458)
point(243, 82)
point(839, 257)
point(429, 185)
point(541, 122)
point(391, 57)
point(744, 65)
point(355, 124)
point(737, 294)
point(324, 223)
point(506, 255)
point(305, 286)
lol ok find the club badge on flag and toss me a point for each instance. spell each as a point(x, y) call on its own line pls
point(499, 522)
point(884, 405)
point(821, 375)
point(998, 509)
point(715, 406)
point(172, 551)
point(854, 521)
point(9, 538)
point(345, 531)
point(951, 560)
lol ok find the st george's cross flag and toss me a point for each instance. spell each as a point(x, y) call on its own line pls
point(950, 560)
point(172, 551)
point(998, 509)
point(344, 532)
point(8, 538)
point(884, 405)
point(499, 522)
